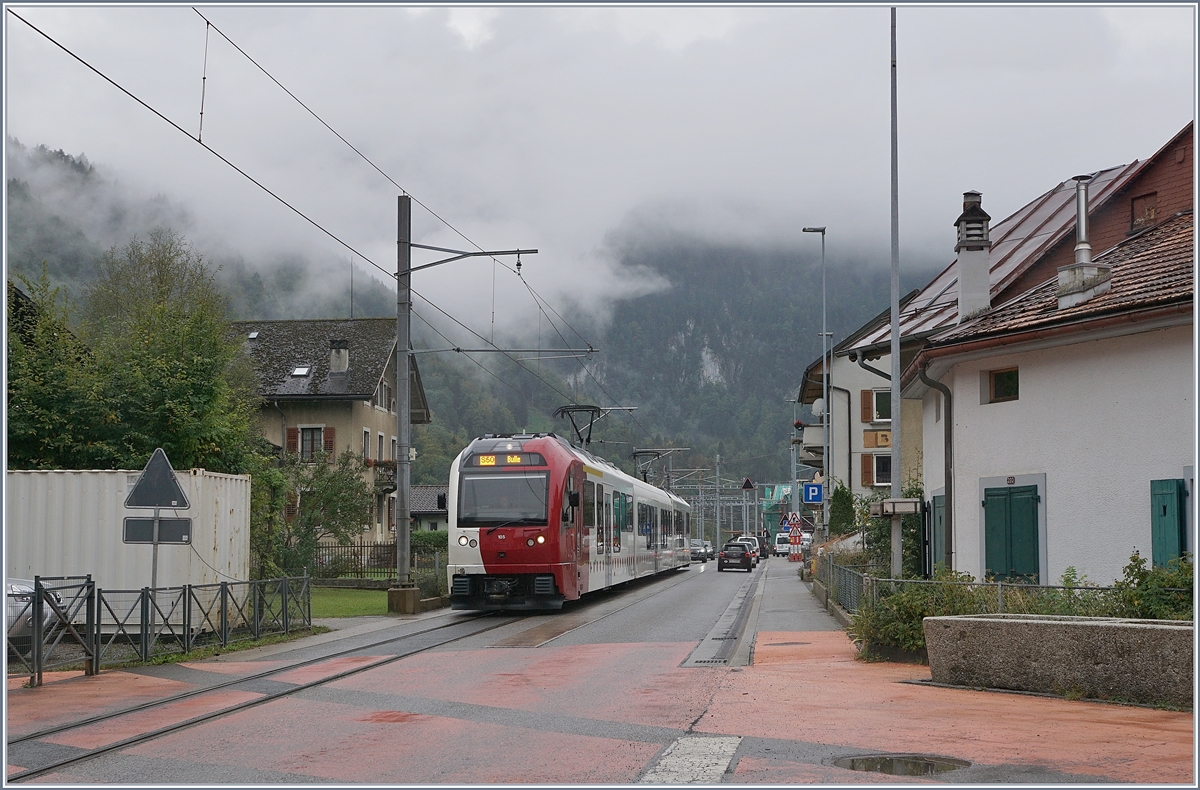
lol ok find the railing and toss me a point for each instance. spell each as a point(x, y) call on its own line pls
point(957, 597)
point(94, 627)
point(846, 583)
point(377, 560)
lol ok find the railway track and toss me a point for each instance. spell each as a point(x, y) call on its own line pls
point(598, 608)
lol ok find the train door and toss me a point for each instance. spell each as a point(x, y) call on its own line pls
point(577, 557)
point(656, 528)
point(568, 536)
point(608, 538)
point(588, 535)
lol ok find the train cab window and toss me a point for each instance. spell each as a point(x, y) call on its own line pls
point(589, 503)
point(566, 517)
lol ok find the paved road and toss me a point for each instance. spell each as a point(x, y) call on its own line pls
point(612, 693)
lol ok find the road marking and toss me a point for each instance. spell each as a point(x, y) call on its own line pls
point(693, 759)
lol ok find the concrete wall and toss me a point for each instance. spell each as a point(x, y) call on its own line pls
point(1148, 661)
point(1099, 420)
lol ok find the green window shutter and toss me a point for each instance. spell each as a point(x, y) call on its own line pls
point(1168, 523)
point(1010, 518)
point(995, 527)
point(1023, 536)
point(939, 530)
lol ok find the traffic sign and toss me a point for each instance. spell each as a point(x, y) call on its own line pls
point(783, 519)
point(748, 485)
point(794, 519)
point(812, 493)
point(140, 529)
point(157, 486)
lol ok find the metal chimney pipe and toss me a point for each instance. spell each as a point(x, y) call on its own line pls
point(1083, 247)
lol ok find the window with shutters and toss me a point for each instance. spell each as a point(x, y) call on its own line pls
point(379, 455)
point(875, 405)
point(310, 442)
point(883, 469)
point(366, 451)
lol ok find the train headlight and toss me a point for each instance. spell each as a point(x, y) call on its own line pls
point(541, 538)
point(529, 542)
point(462, 540)
point(474, 543)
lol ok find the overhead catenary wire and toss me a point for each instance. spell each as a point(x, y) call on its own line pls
point(540, 301)
point(203, 145)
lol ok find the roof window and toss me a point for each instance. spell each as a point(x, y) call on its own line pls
point(301, 370)
point(253, 335)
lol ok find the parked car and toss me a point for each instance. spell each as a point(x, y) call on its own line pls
point(735, 555)
point(698, 551)
point(783, 544)
point(18, 611)
point(755, 544)
point(708, 546)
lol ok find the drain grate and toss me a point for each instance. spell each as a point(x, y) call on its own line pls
point(722, 638)
point(711, 661)
point(786, 644)
point(901, 764)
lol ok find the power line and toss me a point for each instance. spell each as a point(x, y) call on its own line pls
point(187, 134)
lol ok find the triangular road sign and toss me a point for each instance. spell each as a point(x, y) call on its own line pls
point(748, 485)
point(157, 486)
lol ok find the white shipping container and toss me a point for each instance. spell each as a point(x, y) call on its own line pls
point(69, 523)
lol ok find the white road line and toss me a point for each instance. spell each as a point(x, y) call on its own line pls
point(693, 759)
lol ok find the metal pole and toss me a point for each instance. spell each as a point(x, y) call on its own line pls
point(897, 555)
point(826, 464)
point(718, 507)
point(154, 571)
point(403, 374)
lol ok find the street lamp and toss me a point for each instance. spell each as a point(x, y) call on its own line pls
point(825, 419)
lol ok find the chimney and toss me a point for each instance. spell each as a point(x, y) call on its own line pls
point(339, 356)
point(1083, 279)
point(974, 258)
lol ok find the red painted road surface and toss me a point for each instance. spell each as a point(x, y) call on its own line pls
point(601, 714)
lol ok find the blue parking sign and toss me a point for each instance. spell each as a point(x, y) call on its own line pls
point(812, 493)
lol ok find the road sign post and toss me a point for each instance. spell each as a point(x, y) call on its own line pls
point(157, 487)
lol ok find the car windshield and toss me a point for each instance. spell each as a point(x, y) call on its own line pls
point(503, 498)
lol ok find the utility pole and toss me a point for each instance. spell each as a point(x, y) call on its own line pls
point(403, 379)
point(897, 555)
point(718, 508)
point(406, 600)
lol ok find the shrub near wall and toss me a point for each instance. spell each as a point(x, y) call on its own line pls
point(892, 618)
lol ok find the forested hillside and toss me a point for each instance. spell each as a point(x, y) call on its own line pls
point(711, 361)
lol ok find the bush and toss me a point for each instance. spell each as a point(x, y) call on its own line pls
point(896, 617)
point(429, 542)
point(1163, 593)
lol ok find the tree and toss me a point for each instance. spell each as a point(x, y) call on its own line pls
point(57, 417)
point(170, 370)
point(324, 497)
point(841, 511)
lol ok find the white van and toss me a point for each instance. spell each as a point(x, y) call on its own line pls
point(783, 544)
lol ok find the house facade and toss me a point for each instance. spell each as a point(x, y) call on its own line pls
point(328, 386)
point(1071, 412)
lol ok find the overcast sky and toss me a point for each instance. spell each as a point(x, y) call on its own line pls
point(578, 130)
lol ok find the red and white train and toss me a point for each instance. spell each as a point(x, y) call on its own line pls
point(535, 522)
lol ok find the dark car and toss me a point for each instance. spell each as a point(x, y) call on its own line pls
point(712, 554)
point(755, 544)
point(698, 551)
point(735, 555)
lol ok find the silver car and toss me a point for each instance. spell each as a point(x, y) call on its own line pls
point(19, 613)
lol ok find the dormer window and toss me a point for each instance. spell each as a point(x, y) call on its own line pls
point(301, 370)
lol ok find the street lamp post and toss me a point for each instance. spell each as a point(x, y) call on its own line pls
point(825, 418)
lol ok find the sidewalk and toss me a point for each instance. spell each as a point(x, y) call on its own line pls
point(806, 684)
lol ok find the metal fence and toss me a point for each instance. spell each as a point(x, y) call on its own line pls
point(854, 586)
point(377, 560)
point(846, 583)
point(72, 622)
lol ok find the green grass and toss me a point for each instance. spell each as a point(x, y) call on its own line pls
point(345, 602)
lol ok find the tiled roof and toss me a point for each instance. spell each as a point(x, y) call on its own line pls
point(1152, 269)
point(280, 347)
point(423, 499)
point(1017, 242)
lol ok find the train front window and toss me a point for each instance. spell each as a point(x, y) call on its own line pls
point(503, 498)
